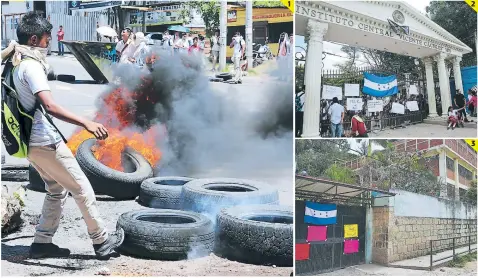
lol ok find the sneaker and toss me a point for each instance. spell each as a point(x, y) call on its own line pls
point(107, 248)
point(448, 127)
point(47, 250)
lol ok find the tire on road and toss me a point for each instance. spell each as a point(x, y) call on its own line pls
point(215, 79)
point(12, 172)
point(166, 234)
point(209, 196)
point(36, 182)
point(162, 192)
point(259, 234)
point(117, 184)
point(224, 76)
point(65, 77)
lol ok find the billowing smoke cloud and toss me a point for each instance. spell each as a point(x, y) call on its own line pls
point(211, 131)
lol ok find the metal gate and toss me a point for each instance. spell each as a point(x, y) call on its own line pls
point(76, 28)
point(326, 256)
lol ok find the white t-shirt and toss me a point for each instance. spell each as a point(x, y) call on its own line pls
point(215, 45)
point(453, 113)
point(127, 53)
point(238, 43)
point(29, 79)
point(335, 112)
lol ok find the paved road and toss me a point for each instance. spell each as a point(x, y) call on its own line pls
point(378, 270)
point(426, 131)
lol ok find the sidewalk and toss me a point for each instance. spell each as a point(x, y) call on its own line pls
point(423, 262)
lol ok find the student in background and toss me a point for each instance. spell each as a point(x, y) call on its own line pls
point(60, 35)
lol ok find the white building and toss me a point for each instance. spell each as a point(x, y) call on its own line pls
point(369, 24)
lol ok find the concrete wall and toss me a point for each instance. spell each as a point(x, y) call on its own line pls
point(410, 204)
point(404, 225)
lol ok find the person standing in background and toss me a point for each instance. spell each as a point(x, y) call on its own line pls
point(336, 112)
point(215, 49)
point(238, 44)
point(60, 34)
point(98, 36)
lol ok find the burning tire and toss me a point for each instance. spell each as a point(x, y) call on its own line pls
point(162, 192)
point(166, 234)
point(117, 184)
point(209, 196)
point(36, 182)
point(259, 234)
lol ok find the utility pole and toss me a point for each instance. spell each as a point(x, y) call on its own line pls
point(143, 29)
point(249, 34)
point(222, 35)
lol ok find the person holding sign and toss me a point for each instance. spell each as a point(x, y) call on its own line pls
point(336, 112)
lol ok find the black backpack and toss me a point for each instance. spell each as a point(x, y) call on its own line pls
point(16, 121)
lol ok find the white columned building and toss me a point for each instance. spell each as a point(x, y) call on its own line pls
point(368, 24)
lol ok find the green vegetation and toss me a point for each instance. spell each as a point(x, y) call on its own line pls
point(471, 193)
point(461, 261)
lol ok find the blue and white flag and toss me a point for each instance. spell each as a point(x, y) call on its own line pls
point(377, 86)
point(320, 214)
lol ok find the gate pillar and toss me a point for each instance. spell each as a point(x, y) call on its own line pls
point(432, 106)
point(444, 84)
point(313, 77)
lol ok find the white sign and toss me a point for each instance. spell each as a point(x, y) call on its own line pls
point(329, 92)
point(412, 105)
point(375, 105)
point(352, 90)
point(354, 104)
point(412, 90)
point(397, 108)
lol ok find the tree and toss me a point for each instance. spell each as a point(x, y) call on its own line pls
point(209, 11)
point(458, 19)
point(316, 156)
point(341, 174)
point(471, 193)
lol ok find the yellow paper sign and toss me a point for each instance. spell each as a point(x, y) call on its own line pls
point(350, 230)
point(289, 4)
point(473, 4)
point(473, 143)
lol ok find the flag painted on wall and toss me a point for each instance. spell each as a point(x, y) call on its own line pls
point(350, 230)
point(316, 233)
point(378, 86)
point(320, 214)
point(302, 251)
point(351, 246)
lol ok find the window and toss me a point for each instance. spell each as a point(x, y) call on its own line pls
point(450, 164)
point(465, 173)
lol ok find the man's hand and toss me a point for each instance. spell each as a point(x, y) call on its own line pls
point(97, 129)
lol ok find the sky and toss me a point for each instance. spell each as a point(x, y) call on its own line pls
point(331, 60)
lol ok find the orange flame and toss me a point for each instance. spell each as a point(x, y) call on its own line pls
point(117, 114)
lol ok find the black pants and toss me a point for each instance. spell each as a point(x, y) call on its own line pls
point(463, 113)
point(299, 123)
point(324, 127)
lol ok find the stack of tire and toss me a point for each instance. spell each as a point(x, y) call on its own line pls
point(237, 219)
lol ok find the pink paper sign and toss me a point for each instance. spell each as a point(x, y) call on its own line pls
point(351, 246)
point(316, 233)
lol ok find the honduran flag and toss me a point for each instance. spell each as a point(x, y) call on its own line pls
point(320, 214)
point(378, 86)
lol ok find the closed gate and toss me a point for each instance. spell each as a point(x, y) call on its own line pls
point(326, 256)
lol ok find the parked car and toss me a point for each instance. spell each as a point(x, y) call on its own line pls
point(154, 38)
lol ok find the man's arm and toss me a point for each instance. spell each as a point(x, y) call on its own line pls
point(37, 80)
point(342, 116)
